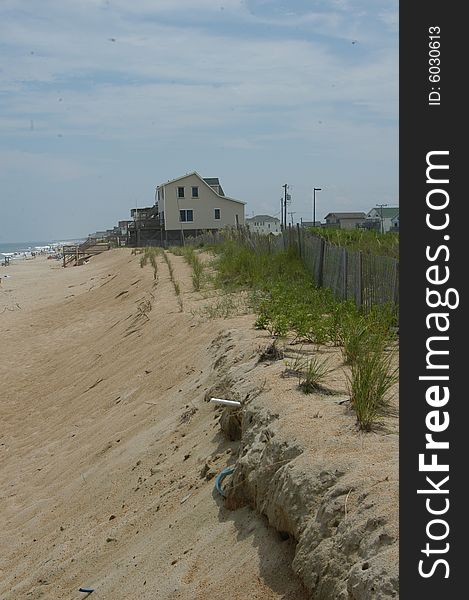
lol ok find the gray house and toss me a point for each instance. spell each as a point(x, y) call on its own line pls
point(344, 220)
point(384, 216)
point(395, 223)
point(264, 224)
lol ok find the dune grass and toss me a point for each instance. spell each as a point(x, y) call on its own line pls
point(287, 303)
point(372, 376)
point(176, 285)
point(194, 261)
point(369, 242)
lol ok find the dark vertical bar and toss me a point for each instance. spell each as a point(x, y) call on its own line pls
point(432, 154)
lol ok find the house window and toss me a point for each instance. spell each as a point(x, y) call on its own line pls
point(186, 216)
point(180, 192)
point(217, 214)
point(195, 192)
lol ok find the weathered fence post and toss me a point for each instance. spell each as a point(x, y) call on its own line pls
point(299, 240)
point(345, 274)
point(360, 280)
point(322, 247)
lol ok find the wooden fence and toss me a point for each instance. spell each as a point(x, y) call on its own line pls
point(367, 279)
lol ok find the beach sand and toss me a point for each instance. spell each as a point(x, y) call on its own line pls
point(100, 475)
point(107, 439)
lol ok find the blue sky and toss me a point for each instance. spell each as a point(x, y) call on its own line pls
point(102, 100)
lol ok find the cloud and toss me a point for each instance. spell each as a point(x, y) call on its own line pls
point(155, 78)
point(227, 85)
point(45, 166)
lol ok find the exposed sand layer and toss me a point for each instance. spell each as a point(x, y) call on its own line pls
point(108, 451)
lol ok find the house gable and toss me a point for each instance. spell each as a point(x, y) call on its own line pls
point(207, 209)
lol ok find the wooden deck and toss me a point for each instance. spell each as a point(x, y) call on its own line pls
point(78, 253)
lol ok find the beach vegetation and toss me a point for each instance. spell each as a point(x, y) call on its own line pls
point(195, 263)
point(363, 240)
point(176, 285)
point(371, 377)
point(313, 374)
point(288, 303)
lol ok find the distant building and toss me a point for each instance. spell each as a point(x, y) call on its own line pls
point(264, 224)
point(383, 216)
point(123, 226)
point(100, 235)
point(344, 220)
point(395, 223)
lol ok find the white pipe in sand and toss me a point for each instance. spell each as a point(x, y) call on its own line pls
point(225, 402)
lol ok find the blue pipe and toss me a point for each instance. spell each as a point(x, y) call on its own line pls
point(219, 478)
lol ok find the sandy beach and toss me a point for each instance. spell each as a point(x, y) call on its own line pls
point(109, 450)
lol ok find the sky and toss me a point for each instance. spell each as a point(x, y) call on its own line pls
point(102, 100)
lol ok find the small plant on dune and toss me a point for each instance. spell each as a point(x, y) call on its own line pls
point(177, 287)
point(271, 352)
point(196, 264)
point(354, 336)
point(278, 326)
point(262, 321)
point(313, 375)
point(170, 266)
point(295, 367)
point(370, 379)
point(364, 333)
point(143, 260)
point(177, 250)
point(197, 272)
point(154, 264)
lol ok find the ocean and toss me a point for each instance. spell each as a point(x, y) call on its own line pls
point(27, 246)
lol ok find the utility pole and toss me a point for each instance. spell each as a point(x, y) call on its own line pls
point(291, 215)
point(285, 187)
point(381, 206)
point(314, 205)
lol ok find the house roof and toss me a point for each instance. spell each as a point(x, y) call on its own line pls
point(347, 215)
point(388, 212)
point(205, 182)
point(262, 218)
point(214, 181)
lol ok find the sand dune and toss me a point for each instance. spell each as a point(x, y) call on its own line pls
point(97, 456)
point(108, 451)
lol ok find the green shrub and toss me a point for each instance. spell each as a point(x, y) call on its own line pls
point(313, 375)
point(370, 379)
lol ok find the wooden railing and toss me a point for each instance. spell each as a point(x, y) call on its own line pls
point(78, 253)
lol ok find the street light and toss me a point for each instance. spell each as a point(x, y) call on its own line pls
point(314, 205)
